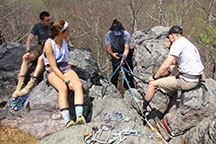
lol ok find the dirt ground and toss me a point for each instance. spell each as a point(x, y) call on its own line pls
point(14, 136)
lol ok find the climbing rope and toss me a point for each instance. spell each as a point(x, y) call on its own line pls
point(123, 69)
point(135, 98)
point(106, 84)
point(17, 104)
point(118, 136)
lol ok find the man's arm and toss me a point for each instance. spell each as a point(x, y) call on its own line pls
point(165, 66)
point(109, 51)
point(68, 43)
point(126, 50)
point(127, 39)
point(29, 40)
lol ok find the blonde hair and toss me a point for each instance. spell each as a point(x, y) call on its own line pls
point(56, 28)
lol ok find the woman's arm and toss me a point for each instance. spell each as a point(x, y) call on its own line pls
point(51, 59)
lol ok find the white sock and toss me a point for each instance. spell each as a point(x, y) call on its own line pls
point(79, 111)
point(66, 115)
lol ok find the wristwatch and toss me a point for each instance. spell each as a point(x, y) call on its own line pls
point(154, 77)
point(27, 51)
point(67, 82)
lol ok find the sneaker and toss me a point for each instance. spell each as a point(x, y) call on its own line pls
point(70, 123)
point(81, 120)
point(135, 106)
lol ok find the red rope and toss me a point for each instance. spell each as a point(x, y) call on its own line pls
point(166, 126)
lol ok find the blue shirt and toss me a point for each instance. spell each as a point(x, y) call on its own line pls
point(117, 40)
point(127, 37)
point(41, 32)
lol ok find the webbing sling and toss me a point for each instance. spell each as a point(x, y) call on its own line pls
point(180, 97)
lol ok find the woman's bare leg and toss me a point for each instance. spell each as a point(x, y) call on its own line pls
point(59, 84)
point(77, 86)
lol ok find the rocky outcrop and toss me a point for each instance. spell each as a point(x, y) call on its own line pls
point(41, 117)
point(41, 109)
point(10, 61)
point(199, 103)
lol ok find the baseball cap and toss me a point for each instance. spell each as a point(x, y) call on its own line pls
point(116, 24)
point(174, 29)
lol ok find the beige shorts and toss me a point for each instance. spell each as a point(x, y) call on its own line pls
point(169, 84)
point(37, 51)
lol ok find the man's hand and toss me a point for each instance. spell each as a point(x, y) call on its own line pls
point(71, 64)
point(150, 79)
point(27, 55)
point(70, 45)
point(70, 86)
point(168, 45)
point(115, 55)
point(122, 63)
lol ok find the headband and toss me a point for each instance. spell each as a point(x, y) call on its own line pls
point(65, 26)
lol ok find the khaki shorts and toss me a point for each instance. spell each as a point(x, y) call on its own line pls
point(37, 51)
point(169, 84)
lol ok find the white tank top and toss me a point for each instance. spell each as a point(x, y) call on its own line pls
point(60, 55)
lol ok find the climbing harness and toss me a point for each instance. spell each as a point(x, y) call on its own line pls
point(17, 104)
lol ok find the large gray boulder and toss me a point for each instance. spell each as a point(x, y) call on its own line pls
point(103, 106)
point(10, 61)
point(149, 52)
point(40, 115)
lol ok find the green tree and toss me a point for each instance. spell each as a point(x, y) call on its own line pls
point(209, 38)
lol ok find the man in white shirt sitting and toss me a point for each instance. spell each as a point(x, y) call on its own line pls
point(186, 56)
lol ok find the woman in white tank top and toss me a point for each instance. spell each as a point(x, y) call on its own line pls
point(60, 76)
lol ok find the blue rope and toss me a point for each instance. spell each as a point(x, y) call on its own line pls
point(111, 77)
point(130, 74)
point(135, 98)
point(121, 56)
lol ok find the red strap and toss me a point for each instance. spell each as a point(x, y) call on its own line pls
point(166, 126)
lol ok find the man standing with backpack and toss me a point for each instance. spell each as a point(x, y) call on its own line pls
point(118, 43)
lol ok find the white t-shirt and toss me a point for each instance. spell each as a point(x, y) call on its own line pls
point(188, 58)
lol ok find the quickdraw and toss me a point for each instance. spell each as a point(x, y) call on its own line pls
point(118, 136)
point(115, 116)
point(17, 104)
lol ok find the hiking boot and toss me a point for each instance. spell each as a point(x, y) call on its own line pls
point(70, 123)
point(81, 120)
point(31, 84)
point(135, 106)
point(19, 86)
